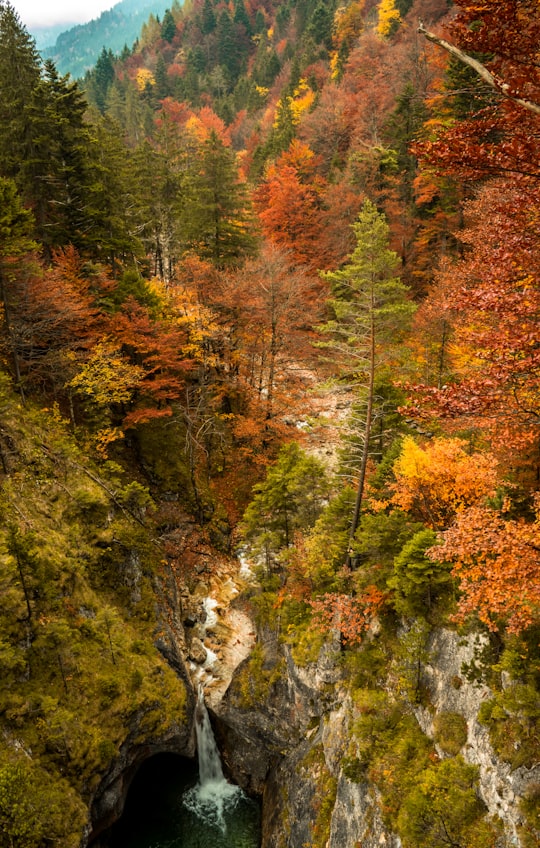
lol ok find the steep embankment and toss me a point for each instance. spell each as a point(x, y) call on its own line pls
point(342, 761)
point(85, 692)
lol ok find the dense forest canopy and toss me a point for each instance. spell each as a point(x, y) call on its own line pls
point(257, 201)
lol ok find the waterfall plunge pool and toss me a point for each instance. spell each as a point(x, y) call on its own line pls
point(172, 805)
point(167, 807)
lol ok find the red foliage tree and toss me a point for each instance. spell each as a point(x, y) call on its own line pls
point(55, 319)
point(157, 347)
point(495, 355)
point(502, 137)
point(350, 615)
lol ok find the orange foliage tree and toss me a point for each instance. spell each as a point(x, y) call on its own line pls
point(55, 318)
point(497, 562)
point(273, 307)
point(157, 348)
point(289, 202)
point(501, 136)
point(350, 615)
point(435, 483)
point(491, 309)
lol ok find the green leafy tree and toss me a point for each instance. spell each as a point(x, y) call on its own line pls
point(371, 310)
point(326, 545)
point(290, 499)
point(444, 810)
point(35, 811)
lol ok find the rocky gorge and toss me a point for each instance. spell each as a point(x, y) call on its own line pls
point(300, 735)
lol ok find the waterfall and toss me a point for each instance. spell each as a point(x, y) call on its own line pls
point(213, 796)
point(210, 770)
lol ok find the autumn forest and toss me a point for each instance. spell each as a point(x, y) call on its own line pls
point(272, 274)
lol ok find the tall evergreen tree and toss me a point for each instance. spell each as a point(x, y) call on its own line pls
point(371, 308)
point(16, 227)
point(59, 169)
point(230, 50)
point(217, 220)
point(19, 77)
point(162, 88)
point(168, 27)
point(112, 208)
point(208, 23)
point(241, 17)
point(45, 141)
point(98, 81)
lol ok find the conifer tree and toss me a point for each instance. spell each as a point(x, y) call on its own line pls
point(16, 227)
point(290, 499)
point(100, 79)
point(208, 22)
point(370, 308)
point(216, 216)
point(168, 27)
point(19, 77)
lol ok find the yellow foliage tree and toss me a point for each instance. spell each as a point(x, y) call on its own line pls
point(302, 101)
point(348, 24)
point(143, 78)
point(438, 481)
point(389, 18)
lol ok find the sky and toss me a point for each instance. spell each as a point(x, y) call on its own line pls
point(44, 13)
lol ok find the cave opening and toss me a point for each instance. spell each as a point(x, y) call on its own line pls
point(166, 807)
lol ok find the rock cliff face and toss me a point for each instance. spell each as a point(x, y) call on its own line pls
point(500, 787)
point(291, 746)
point(109, 798)
point(290, 749)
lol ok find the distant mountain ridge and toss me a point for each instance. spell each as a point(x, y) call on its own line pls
point(77, 49)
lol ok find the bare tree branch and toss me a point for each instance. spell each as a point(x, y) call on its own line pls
point(498, 85)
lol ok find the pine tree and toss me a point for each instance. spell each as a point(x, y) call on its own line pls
point(100, 79)
point(321, 24)
point(112, 207)
point(208, 23)
point(290, 499)
point(168, 27)
point(241, 17)
point(216, 216)
point(16, 227)
point(162, 87)
point(59, 170)
point(230, 50)
point(371, 309)
point(19, 77)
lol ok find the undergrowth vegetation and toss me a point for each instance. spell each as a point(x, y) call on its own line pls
point(80, 672)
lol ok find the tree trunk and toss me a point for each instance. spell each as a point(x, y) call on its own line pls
point(11, 341)
point(367, 434)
